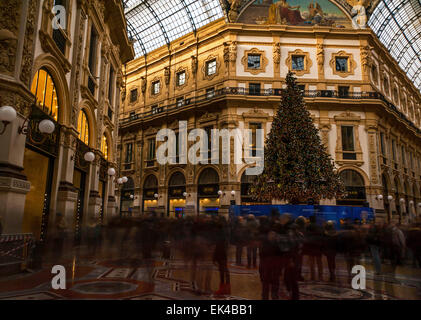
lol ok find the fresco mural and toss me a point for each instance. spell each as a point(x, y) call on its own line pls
point(295, 12)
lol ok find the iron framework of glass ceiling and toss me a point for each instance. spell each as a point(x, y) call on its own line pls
point(154, 23)
point(397, 23)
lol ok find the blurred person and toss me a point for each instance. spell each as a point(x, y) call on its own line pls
point(301, 224)
point(270, 263)
point(239, 239)
point(313, 248)
point(329, 248)
point(290, 243)
point(252, 243)
point(413, 241)
point(374, 242)
point(59, 238)
point(220, 258)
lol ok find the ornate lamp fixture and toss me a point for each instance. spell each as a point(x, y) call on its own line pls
point(7, 115)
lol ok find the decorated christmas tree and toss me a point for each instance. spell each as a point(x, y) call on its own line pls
point(297, 166)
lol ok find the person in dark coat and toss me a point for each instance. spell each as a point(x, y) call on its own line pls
point(270, 263)
point(239, 239)
point(252, 241)
point(329, 249)
point(313, 248)
point(220, 234)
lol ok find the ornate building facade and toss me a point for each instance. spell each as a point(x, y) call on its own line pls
point(229, 73)
point(60, 65)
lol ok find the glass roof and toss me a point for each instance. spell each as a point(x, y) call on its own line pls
point(397, 23)
point(154, 23)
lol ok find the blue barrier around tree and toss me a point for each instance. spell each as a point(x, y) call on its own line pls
point(323, 213)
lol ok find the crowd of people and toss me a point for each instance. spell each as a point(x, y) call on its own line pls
point(275, 245)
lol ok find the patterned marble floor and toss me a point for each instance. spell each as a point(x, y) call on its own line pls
point(113, 275)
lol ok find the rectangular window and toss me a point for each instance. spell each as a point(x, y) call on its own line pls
point(111, 86)
point(343, 91)
point(210, 93)
point(156, 87)
point(132, 115)
point(297, 63)
point(181, 78)
point(393, 150)
point(253, 139)
point(93, 51)
point(129, 152)
point(403, 156)
point(254, 61)
point(347, 138)
point(341, 64)
point(133, 95)
point(208, 131)
point(301, 87)
point(180, 102)
point(151, 149)
point(254, 89)
point(382, 144)
point(211, 67)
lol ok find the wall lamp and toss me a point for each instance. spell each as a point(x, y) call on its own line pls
point(7, 115)
point(379, 197)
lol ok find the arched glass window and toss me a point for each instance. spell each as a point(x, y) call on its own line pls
point(83, 127)
point(354, 187)
point(104, 146)
point(44, 89)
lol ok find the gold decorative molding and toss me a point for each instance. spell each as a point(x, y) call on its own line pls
point(204, 68)
point(277, 53)
point(263, 61)
point(307, 62)
point(351, 64)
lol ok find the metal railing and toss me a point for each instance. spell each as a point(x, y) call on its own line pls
point(228, 91)
point(16, 248)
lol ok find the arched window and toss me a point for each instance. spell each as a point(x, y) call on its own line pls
point(44, 89)
point(208, 176)
point(104, 146)
point(354, 187)
point(83, 127)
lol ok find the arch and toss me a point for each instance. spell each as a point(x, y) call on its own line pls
point(55, 69)
point(108, 136)
point(172, 172)
point(397, 184)
point(352, 178)
point(83, 127)
point(386, 184)
point(129, 185)
point(44, 89)
point(177, 179)
point(208, 176)
point(354, 187)
point(150, 181)
point(86, 106)
point(360, 171)
point(205, 168)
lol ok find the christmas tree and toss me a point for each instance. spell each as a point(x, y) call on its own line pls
point(297, 166)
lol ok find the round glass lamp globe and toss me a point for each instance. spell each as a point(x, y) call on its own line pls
point(89, 156)
point(120, 181)
point(125, 179)
point(111, 171)
point(46, 126)
point(7, 113)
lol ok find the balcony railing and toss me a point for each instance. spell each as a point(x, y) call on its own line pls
point(236, 91)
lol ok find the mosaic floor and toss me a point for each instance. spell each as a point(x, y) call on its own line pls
point(116, 276)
